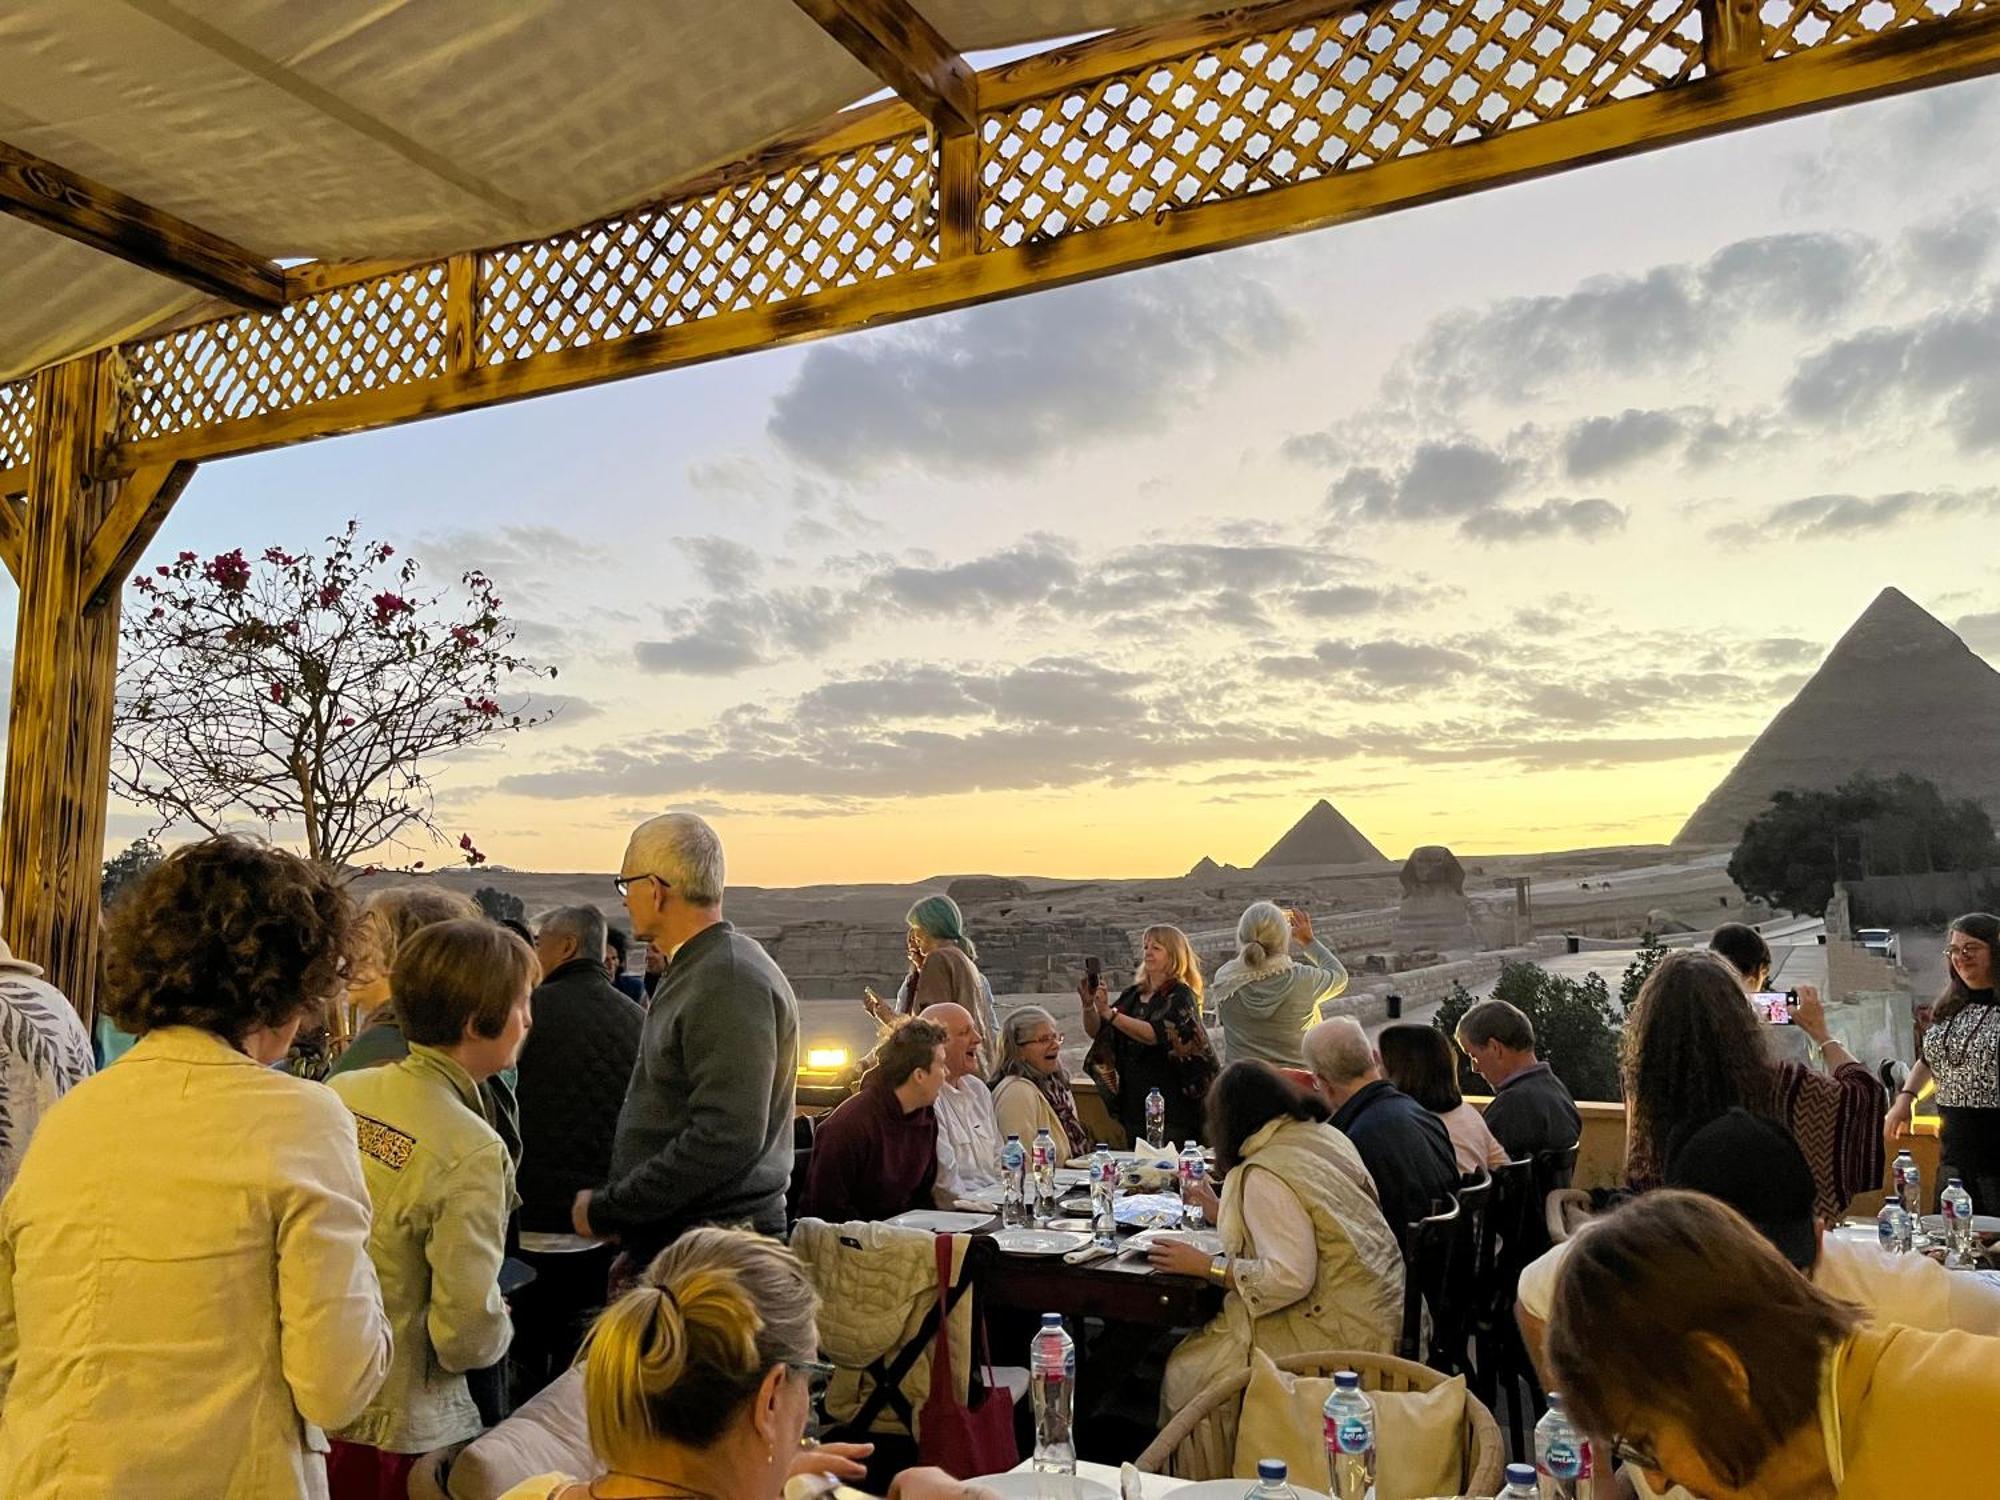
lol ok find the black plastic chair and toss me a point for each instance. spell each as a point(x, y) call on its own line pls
point(1438, 1254)
point(1455, 1308)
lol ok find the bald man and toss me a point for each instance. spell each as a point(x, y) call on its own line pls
point(968, 1139)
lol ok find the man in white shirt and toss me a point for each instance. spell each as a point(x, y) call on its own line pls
point(968, 1141)
point(1755, 1167)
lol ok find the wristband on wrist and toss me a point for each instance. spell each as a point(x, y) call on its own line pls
point(1218, 1267)
point(1906, 1093)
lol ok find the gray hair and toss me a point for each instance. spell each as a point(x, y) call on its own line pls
point(1262, 934)
point(682, 850)
point(584, 924)
point(1016, 1028)
point(1337, 1051)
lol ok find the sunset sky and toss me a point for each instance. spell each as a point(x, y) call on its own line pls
point(1503, 523)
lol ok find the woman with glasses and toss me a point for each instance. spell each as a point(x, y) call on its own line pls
point(699, 1383)
point(1031, 1092)
point(1683, 1339)
point(1961, 1051)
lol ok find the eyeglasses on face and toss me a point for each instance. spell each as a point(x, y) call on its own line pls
point(1044, 1040)
point(818, 1374)
point(1635, 1451)
point(1964, 950)
point(623, 883)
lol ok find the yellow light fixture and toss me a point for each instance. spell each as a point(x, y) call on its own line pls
point(826, 1059)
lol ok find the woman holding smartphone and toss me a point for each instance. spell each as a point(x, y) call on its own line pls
point(1961, 1052)
point(1151, 1037)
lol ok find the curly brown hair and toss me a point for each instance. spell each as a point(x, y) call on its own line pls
point(228, 934)
point(1692, 1052)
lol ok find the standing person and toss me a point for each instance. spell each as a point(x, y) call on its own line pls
point(1681, 1335)
point(1961, 1051)
point(1419, 1061)
point(437, 1175)
point(1532, 1111)
point(1308, 1261)
point(876, 1155)
point(1406, 1148)
point(1692, 1052)
point(943, 968)
point(1273, 989)
point(1151, 1037)
point(574, 1069)
point(1032, 1089)
point(617, 953)
point(388, 918)
point(968, 1132)
point(185, 1291)
point(705, 1134)
point(44, 1053)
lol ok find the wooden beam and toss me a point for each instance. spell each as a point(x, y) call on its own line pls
point(14, 482)
point(128, 528)
point(105, 219)
point(892, 40)
point(1960, 47)
point(13, 530)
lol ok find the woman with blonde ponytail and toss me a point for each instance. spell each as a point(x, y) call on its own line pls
point(700, 1381)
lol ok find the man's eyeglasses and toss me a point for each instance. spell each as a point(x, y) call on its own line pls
point(623, 883)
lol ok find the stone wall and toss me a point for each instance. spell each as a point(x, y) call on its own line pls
point(1369, 995)
point(833, 960)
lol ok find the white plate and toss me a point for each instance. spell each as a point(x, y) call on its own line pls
point(1236, 1489)
point(941, 1221)
point(1148, 1210)
point(1202, 1239)
point(1032, 1486)
point(1039, 1241)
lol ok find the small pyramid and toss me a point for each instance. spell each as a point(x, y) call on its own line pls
point(1899, 692)
point(1321, 837)
point(1203, 868)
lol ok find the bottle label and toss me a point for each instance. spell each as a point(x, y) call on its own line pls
point(1565, 1459)
point(1348, 1434)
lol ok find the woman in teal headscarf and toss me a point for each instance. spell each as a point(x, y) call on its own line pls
point(942, 968)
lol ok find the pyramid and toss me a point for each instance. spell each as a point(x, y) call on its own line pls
point(1899, 692)
point(1321, 837)
point(1203, 868)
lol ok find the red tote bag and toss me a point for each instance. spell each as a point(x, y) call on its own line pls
point(971, 1438)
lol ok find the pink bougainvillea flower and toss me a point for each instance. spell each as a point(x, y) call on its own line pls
point(346, 721)
point(279, 693)
point(388, 606)
point(228, 572)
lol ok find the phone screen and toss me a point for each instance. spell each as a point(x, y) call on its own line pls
point(1773, 1007)
point(1092, 967)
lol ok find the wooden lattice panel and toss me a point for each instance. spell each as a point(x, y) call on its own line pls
point(1800, 25)
point(367, 336)
point(17, 422)
point(861, 215)
point(1288, 106)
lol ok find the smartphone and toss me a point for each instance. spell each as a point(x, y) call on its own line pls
point(1774, 1007)
point(1093, 966)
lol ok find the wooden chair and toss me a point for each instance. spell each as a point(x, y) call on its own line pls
point(1200, 1442)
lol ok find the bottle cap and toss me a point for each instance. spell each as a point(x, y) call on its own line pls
point(1522, 1474)
point(1051, 1320)
point(1271, 1470)
point(1346, 1380)
point(1105, 1146)
point(1555, 1401)
point(1953, 1182)
point(1012, 1137)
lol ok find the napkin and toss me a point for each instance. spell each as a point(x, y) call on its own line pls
point(1088, 1254)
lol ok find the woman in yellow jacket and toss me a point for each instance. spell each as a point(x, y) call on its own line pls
point(186, 1300)
point(1695, 1352)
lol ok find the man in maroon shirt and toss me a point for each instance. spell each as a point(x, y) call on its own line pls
point(876, 1155)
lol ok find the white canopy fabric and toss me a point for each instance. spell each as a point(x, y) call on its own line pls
point(363, 129)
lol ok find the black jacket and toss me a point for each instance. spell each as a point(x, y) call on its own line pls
point(575, 1067)
point(1406, 1149)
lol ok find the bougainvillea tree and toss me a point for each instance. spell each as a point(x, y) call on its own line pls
point(310, 692)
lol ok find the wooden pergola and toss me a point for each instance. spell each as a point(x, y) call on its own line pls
point(1145, 143)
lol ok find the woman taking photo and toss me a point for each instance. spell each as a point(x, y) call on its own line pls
point(699, 1382)
point(1032, 1090)
point(1271, 992)
point(1420, 1061)
point(1151, 1037)
point(186, 1297)
point(1961, 1051)
point(943, 968)
point(1693, 1051)
point(1681, 1337)
point(1307, 1259)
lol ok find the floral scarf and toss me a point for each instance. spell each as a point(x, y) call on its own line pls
point(1061, 1098)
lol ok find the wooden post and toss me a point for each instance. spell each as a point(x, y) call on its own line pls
point(66, 669)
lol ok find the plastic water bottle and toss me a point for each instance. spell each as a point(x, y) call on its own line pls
point(1013, 1183)
point(1955, 1204)
point(1045, 1176)
point(1909, 1180)
point(1104, 1197)
point(1520, 1483)
point(1052, 1372)
point(1272, 1483)
point(1350, 1439)
point(1892, 1228)
point(1156, 1119)
point(1562, 1456)
point(1193, 1173)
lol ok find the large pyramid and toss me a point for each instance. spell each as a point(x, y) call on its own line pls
point(1900, 692)
point(1321, 837)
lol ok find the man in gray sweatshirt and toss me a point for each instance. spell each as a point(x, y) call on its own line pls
point(705, 1136)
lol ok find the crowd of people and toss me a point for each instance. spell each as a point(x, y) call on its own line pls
point(220, 1278)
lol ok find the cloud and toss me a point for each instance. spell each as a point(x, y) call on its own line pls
point(1440, 481)
point(1600, 445)
point(725, 565)
point(1815, 517)
point(567, 708)
point(1947, 361)
point(1952, 251)
point(1584, 519)
point(1020, 576)
point(1980, 631)
point(733, 633)
point(1382, 664)
point(1006, 387)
